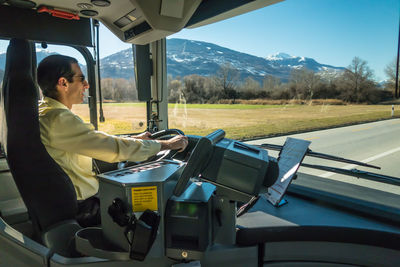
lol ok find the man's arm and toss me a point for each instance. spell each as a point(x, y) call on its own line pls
point(66, 131)
point(69, 133)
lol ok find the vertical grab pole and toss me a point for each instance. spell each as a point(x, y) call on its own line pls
point(97, 25)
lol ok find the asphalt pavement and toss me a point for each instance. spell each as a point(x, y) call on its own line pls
point(376, 143)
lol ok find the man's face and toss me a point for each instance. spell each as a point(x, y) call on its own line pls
point(78, 85)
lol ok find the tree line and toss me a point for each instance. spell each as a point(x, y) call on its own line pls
point(355, 84)
point(118, 90)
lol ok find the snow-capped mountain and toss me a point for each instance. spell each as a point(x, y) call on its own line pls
point(279, 56)
point(185, 57)
point(193, 57)
point(118, 65)
point(283, 60)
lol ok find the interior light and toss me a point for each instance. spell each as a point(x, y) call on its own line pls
point(89, 12)
point(102, 3)
point(21, 3)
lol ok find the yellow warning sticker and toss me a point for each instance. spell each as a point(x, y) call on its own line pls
point(144, 198)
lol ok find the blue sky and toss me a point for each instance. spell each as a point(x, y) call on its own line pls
point(330, 31)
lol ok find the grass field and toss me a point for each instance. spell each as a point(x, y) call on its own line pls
point(239, 121)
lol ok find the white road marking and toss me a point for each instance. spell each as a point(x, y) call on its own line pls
point(351, 166)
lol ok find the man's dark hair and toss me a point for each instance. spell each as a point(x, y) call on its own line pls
point(51, 69)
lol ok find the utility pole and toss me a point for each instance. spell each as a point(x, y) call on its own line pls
point(397, 65)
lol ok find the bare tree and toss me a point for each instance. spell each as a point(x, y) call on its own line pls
point(194, 91)
point(270, 82)
point(251, 84)
point(304, 82)
point(390, 72)
point(175, 89)
point(358, 78)
point(107, 88)
point(118, 90)
point(250, 89)
point(226, 81)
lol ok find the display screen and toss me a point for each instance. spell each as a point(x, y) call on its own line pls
point(185, 209)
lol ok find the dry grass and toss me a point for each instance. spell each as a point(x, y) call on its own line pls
point(240, 121)
point(283, 102)
point(123, 118)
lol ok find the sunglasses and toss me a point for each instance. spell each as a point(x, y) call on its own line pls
point(81, 77)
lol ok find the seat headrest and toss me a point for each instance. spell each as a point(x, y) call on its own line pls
point(21, 52)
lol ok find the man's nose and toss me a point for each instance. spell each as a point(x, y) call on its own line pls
point(86, 85)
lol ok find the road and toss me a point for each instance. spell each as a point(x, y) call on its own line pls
point(376, 143)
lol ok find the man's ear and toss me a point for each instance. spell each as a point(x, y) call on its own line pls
point(62, 82)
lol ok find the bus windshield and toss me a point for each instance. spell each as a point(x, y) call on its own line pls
point(322, 71)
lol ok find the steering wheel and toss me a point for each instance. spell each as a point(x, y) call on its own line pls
point(163, 135)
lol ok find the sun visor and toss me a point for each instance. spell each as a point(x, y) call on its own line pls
point(30, 25)
point(213, 11)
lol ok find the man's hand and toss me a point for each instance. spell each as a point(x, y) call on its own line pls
point(178, 142)
point(143, 136)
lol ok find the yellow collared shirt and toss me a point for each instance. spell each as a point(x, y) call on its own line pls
point(72, 143)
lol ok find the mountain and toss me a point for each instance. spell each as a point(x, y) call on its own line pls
point(288, 62)
point(185, 57)
point(118, 65)
point(40, 54)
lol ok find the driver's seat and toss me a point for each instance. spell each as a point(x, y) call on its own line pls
point(46, 189)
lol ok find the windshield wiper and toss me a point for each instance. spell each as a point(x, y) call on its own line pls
point(322, 156)
point(357, 173)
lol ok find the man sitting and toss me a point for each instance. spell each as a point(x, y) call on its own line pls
point(72, 143)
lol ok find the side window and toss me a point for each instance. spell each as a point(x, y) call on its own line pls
point(122, 111)
point(120, 108)
point(3, 50)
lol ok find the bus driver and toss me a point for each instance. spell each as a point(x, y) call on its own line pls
point(73, 143)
